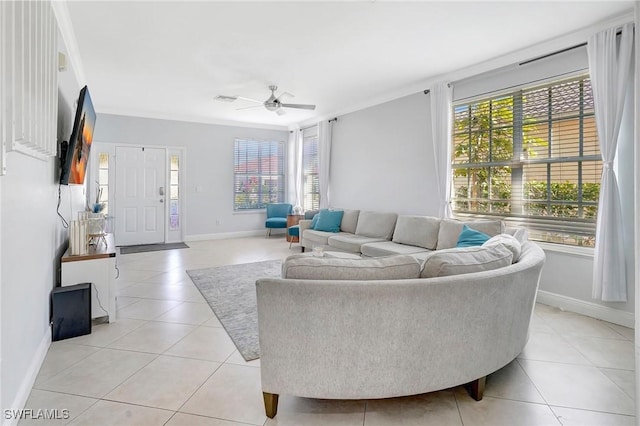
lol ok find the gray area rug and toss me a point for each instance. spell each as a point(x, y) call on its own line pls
point(151, 247)
point(231, 292)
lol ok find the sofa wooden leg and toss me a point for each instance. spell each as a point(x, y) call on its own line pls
point(476, 388)
point(270, 404)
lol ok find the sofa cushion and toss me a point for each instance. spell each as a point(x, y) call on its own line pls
point(450, 230)
point(312, 237)
point(509, 241)
point(376, 224)
point(388, 248)
point(349, 242)
point(421, 231)
point(521, 234)
point(314, 220)
point(329, 220)
point(471, 238)
point(349, 221)
point(441, 263)
point(328, 268)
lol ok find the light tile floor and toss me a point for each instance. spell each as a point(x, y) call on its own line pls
point(167, 361)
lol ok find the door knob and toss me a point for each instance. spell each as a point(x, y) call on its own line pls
point(161, 200)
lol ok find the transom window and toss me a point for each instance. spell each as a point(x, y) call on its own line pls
point(531, 156)
point(259, 174)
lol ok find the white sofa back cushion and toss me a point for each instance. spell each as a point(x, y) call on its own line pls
point(457, 261)
point(419, 231)
point(450, 230)
point(328, 268)
point(509, 241)
point(521, 234)
point(349, 221)
point(376, 224)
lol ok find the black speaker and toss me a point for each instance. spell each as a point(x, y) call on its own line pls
point(70, 311)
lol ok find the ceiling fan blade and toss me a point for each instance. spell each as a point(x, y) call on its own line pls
point(225, 98)
point(284, 94)
point(249, 99)
point(280, 111)
point(249, 107)
point(299, 106)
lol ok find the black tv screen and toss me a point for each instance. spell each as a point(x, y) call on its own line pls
point(74, 167)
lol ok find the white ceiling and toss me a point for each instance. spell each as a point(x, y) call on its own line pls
point(169, 59)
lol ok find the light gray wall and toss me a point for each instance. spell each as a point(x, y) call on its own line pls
point(382, 158)
point(209, 166)
point(33, 240)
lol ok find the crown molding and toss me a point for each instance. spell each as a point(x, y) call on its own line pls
point(188, 119)
point(511, 58)
point(65, 26)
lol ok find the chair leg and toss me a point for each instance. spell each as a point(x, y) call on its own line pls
point(476, 388)
point(270, 404)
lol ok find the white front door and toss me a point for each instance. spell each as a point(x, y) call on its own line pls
point(140, 195)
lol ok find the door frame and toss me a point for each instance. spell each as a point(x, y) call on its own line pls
point(110, 148)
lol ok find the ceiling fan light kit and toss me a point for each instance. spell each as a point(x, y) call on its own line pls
point(273, 103)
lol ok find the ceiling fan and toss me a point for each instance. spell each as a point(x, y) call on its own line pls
point(272, 104)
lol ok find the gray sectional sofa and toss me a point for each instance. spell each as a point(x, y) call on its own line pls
point(376, 234)
point(365, 328)
point(411, 314)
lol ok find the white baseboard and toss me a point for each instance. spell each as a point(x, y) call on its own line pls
point(224, 235)
point(590, 309)
point(29, 378)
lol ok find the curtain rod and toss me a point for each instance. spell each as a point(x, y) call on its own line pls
point(566, 49)
point(333, 119)
point(548, 55)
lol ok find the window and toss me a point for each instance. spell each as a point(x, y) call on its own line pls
point(259, 172)
point(174, 190)
point(310, 182)
point(531, 156)
point(103, 181)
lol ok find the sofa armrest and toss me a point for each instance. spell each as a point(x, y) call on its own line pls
point(304, 224)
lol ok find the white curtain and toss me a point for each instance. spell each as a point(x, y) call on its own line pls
point(441, 96)
point(295, 167)
point(609, 70)
point(324, 158)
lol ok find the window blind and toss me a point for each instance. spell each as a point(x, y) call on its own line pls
point(259, 174)
point(310, 165)
point(531, 156)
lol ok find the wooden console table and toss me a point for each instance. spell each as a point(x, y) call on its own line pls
point(97, 267)
point(292, 220)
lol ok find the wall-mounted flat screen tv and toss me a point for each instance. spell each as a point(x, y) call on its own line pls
point(75, 164)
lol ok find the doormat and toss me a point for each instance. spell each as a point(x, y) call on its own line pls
point(143, 248)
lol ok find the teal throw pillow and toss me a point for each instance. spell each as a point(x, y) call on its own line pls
point(314, 221)
point(329, 220)
point(471, 238)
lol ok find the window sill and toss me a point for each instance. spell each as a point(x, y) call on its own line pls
point(587, 252)
point(256, 211)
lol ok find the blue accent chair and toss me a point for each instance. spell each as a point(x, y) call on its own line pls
point(277, 216)
point(294, 231)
